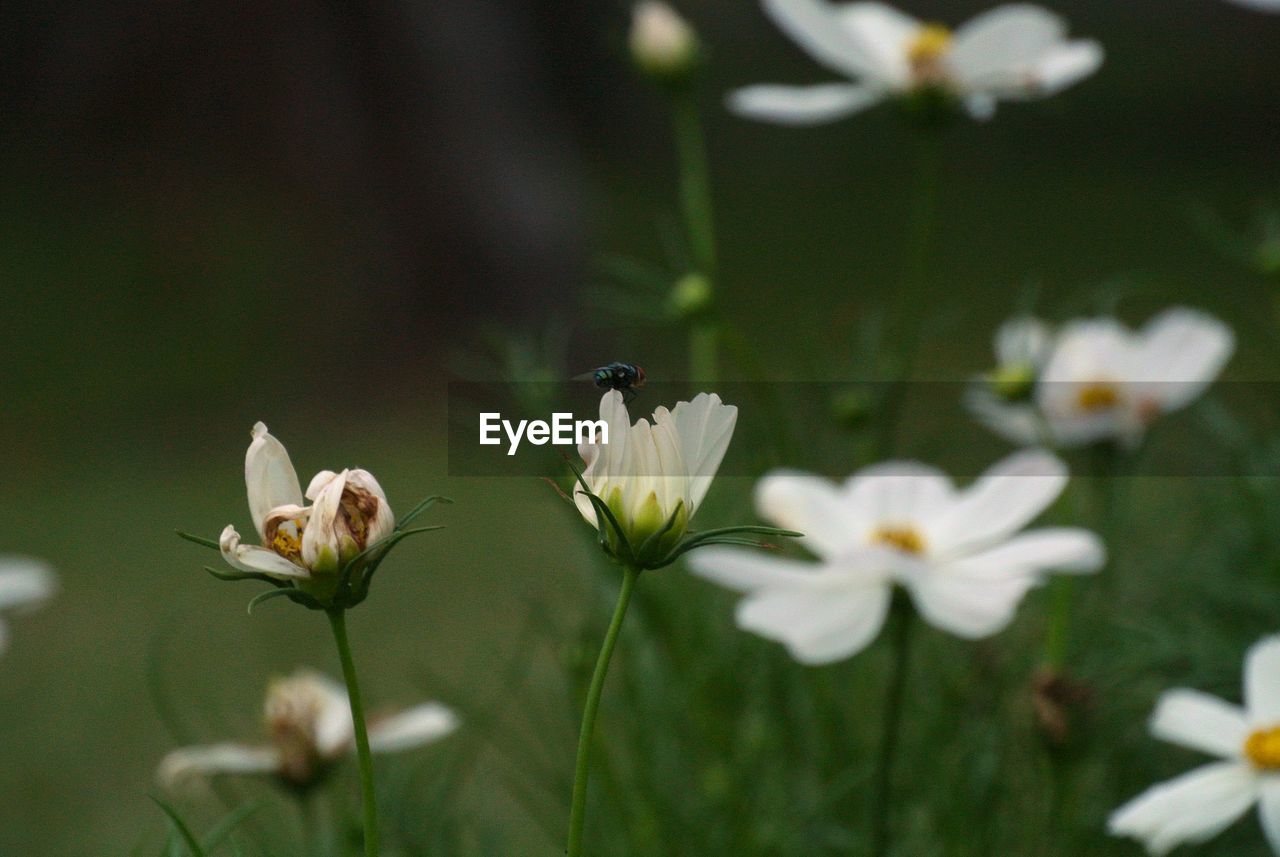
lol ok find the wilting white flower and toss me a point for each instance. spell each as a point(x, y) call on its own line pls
point(349, 512)
point(1201, 804)
point(958, 552)
point(25, 584)
point(662, 43)
point(654, 476)
point(1014, 52)
point(308, 720)
point(1102, 381)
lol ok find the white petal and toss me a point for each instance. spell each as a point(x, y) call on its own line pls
point(1001, 501)
point(1201, 722)
point(1004, 39)
point(383, 521)
point(335, 730)
point(1046, 549)
point(818, 625)
point(1262, 682)
point(816, 26)
point(24, 582)
point(188, 763)
point(968, 607)
point(810, 505)
point(1022, 341)
point(1269, 810)
point(705, 427)
point(256, 559)
point(803, 105)
point(320, 544)
point(269, 476)
point(1178, 354)
point(318, 483)
point(745, 570)
point(898, 493)
point(1066, 65)
point(1190, 809)
point(1018, 424)
point(605, 461)
point(415, 727)
point(884, 33)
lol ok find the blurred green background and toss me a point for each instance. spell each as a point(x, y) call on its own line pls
point(309, 214)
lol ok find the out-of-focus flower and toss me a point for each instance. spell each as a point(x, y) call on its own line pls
point(959, 553)
point(349, 513)
point(1014, 52)
point(25, 584)
point(1101, 381)
point(663, 45)
point(1260, 5)
point(1201, 804)
point(652, 477)
point(308, 721)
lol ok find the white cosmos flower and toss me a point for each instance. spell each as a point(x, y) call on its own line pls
point(958, 552)
point(308, 720)
point(652, 475)
point(349, 512)
point(1201, 804)
point(1102, 381)
point(25, 584)
point(1013, 52)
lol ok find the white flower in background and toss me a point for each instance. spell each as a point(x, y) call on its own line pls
point(662, 43)
point(654, 476)
point(308, 720)
point(349, 512)
point(25, 584)
point(1102, 381)
point(1259, 5)
point(958, 552)
point(1014, 52)
point(1201, 804)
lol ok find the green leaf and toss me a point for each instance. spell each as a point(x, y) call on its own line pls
point(417, 510)
point(229, 823)
point(223, 574)
point(199, 540)
point(181, 827)
point(267, 596)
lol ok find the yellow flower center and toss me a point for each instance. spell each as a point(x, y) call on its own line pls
point(1263, 749)
point(287, 540)
point(905, 539)
point(926, 51)
point(1099, 396)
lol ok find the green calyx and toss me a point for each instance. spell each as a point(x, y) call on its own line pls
point(1013, 382)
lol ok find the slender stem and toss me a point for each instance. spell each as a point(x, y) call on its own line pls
point(882, 800)
point(1062, 596)
point(699, 222)
point(906, 319)
point(338, 621)
point(578, 807)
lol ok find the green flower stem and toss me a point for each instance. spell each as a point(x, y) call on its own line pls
point(338, 621)
point(699, 222)
point(903, 622)
point(578, 808)
point(907, 312)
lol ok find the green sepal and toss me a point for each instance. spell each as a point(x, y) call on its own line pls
point(199, 540)
point(624, 554)
point(267, 596)
point(417, 510)
point(726, 536)
point(248, 575)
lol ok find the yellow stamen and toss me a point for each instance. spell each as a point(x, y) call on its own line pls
point(1263, 749)
point(926, 50)
point(288, 539)
point(1099, 396)
point(905, 539)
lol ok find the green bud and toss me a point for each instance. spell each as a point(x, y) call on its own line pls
point(690, 297)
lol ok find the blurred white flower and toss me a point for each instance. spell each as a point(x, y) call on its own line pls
point(308, 719)
point(1260, 5)
point(349, 513)
point(1201, 804)
point(1014, 52)
point(662, 43)
point(959, 553)
point(654, 476)
point(25, 584)
point(1102, 381)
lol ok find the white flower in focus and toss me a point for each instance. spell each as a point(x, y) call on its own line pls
point(308, 720)
point(1102, 381)
point(662, 43)
point(349, 512)
point(653, 476)
point(1201, 804)
point(958, 553)
point(25, 584)
point(1014, 52)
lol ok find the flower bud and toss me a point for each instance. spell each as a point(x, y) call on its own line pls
point(663, 45)
point(690, 297)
